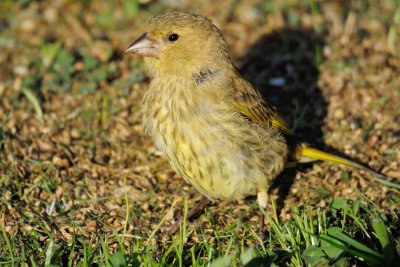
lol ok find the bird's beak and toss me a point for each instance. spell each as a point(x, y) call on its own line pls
point(145, 46)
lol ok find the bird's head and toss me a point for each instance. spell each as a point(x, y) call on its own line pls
point(181, 44)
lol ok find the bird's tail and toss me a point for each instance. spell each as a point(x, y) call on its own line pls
point(305, 153)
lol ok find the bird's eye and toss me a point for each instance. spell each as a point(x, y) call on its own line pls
point(173, 37)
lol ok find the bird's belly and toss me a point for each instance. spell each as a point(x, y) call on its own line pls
point(211, 146)
point(215, 166)
point(216, 160)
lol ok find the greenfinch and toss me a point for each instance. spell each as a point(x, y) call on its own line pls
point(214, 127)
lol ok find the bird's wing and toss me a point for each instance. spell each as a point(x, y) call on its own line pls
point(251, 104)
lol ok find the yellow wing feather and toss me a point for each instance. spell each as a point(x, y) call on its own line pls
point(251, 104)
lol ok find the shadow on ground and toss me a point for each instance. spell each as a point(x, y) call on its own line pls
point(283, 66)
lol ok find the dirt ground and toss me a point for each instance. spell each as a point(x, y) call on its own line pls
point(71, 140)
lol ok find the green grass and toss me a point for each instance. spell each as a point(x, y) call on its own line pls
point(352, 232)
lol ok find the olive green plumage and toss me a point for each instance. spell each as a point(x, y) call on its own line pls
point(216, 130)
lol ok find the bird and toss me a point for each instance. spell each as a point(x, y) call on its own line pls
point(216, 130)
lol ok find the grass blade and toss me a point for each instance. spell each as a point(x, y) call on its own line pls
point(32, 98)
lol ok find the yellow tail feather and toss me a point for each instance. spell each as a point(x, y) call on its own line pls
point(305, 153)
point(308, 154)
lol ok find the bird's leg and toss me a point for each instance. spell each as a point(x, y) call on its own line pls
point(192, 214)
point(262, 199)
